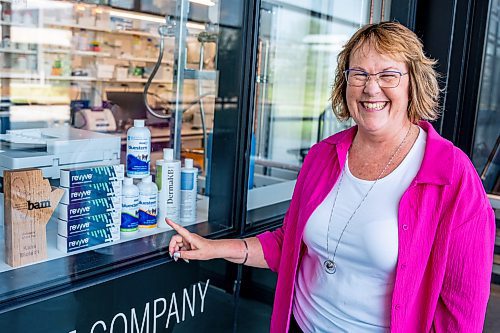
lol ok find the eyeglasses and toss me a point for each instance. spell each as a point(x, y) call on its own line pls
point(385, 79)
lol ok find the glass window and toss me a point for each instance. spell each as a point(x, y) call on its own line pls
point(297, 55)
point(486, 152)
point(72, 82)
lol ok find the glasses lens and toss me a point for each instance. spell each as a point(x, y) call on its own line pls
point(356, 78)
point(388, 79)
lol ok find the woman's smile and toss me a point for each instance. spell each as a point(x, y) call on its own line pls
point(374, 106)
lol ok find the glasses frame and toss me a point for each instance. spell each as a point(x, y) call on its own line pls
point(369, 75)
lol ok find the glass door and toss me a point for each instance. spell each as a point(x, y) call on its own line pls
point(297, 54)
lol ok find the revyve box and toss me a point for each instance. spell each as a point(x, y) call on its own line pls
point(98, 174)
point(83, 241)
point(84, 225)
point(83, 209)
point(92, 191)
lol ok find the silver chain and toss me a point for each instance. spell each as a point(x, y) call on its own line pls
point(362, 200)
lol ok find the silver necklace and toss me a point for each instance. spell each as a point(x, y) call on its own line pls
point(329, 264)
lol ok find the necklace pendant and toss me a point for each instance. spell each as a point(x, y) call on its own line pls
point(330, 266)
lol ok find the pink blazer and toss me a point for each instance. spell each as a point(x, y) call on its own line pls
point(446, 238)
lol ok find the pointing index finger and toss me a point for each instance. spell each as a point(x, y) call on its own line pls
point(180, 230)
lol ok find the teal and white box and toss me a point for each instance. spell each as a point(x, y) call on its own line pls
point(92, 191)
point(83, 209)
point(98, 174)
point(65, 229)
point(84, 241)
point(85, 225)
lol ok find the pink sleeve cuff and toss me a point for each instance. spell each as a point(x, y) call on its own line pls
point(271, 249)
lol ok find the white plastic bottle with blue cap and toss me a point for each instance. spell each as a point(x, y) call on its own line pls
point(168, 179)
point(130, 207)
point(138, 150)
point(189, 179)
point(148, 203)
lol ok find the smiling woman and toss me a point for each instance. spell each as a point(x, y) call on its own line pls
point(399, 44)
point(384, 214)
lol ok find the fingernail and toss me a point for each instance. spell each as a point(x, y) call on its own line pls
point(186, 260)
point(177, 255)
point(170, 253)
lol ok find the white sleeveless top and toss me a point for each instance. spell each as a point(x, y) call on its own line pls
point(357, 298)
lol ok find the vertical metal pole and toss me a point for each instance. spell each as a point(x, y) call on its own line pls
point(182, 10)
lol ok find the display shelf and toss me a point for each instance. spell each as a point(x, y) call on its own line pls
point(49, 77)
point(138, 80)
point(100, 29)
point(143, 59)
point(18, 24)
point(75, 26)
point(72, 78)
point(62, 51)
point(4, 74)
point(75, 78)
point(91, 53)
point(16, 51)
point(78, 53)
point(54, 253)
point(136, 33)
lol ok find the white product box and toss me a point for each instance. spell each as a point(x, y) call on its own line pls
point(92, 191)
point(86, 225)
point(121, 73)
point(86, 240)
point(88, 208)
point(105, 71)
point(98, 174)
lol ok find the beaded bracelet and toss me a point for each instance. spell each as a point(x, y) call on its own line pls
point(246, 251)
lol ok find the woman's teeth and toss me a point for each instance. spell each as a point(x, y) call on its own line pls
point(374, 106)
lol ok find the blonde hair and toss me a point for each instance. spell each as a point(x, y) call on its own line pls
point(395, 40)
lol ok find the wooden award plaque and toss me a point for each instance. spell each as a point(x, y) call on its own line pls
point(29, 202)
